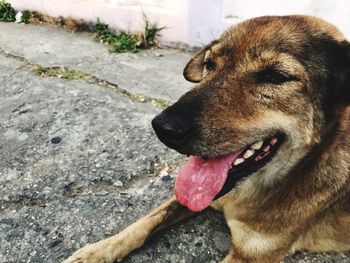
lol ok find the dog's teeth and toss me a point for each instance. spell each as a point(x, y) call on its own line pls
point(248, 154)
point(266, 148)
point(257, 145)
point(238, 161)
point(273, 141)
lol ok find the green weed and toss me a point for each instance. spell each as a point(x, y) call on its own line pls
point(120, 43)
point(26, 16)
point(160, 103)
point(127, 42)
point(151, 31)
point(62, 72)
point(7, 13)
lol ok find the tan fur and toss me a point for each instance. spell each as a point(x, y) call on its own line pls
point(300, 199)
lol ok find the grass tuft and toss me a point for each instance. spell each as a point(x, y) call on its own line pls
point(127, 42)
point(160, 103)
point(151, 31)
point(7, 13)
point(60, 72)
point(120, 43)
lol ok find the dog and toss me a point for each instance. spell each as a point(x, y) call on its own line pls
point(267, 129)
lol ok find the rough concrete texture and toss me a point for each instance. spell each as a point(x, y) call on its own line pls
point(154, 73)
point(79, 162)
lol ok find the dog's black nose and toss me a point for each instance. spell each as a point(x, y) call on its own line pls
point(171, 129)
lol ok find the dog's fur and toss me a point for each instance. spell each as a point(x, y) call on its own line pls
point(270, 74)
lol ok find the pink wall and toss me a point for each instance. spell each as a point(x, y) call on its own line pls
point(195, 22)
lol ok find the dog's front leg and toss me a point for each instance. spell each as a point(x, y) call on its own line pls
point(250, 246)
point(117, 247)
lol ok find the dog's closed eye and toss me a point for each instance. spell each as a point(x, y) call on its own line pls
point(273, 75)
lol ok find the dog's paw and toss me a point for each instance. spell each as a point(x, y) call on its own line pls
point(95, 253)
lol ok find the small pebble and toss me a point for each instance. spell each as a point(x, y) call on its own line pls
point(119, 183)
point(166, 178)
point(56, 140)
point(102, 193)
point(7, 221)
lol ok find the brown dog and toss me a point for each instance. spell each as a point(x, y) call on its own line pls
point(269, 123)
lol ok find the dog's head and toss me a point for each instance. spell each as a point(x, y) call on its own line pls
point(268, 86)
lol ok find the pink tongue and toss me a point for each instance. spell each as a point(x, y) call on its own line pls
point(199, 181)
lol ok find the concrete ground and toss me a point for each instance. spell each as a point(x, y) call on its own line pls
point(78, 158)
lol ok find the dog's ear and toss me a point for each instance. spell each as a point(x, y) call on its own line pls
point(195, 67)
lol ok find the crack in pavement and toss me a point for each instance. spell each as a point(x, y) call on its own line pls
point(90, 78)
point(9, 55)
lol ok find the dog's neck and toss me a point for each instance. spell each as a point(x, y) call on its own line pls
point(331, 152)
point(326, 168)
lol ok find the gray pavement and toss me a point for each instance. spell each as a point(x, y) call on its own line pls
point(79, 161)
